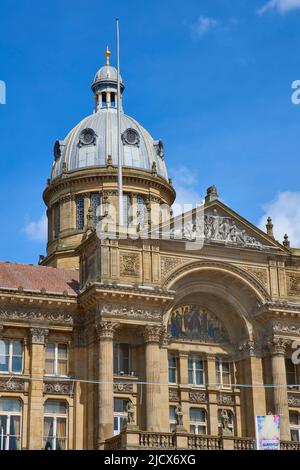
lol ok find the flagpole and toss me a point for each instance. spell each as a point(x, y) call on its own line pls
point(120, 179)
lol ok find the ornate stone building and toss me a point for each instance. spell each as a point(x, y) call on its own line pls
point(175, 324)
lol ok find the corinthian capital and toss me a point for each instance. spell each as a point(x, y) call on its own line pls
point(278, 345)
point(106, 329)
point(38, 335)
point(152, 333)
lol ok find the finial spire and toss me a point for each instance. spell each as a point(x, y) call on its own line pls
point(269, 227)
point(286, 241)
point(107, 55)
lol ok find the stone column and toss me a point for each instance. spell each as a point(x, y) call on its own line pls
point(164, 376)
point(38, 338)
point(277, 347)
point(105, 331)
point(152, 335)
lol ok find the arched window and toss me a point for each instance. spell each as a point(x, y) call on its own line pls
point(198, 421)
point(10, 424)
point(79, 212)
point(295, 426)
point(55, 425)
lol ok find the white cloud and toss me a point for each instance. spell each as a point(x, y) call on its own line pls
point(285, 213)
point(203, 25)
point(186, 185)
point(37, 231)
point(281, 6)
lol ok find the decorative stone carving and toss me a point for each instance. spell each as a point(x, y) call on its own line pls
point(198, 397)
point(152, 334)
point(215, 228)
point(123, 388)
point(283, 327)
point(87, 137)
point(12, 385)
point(58, 388)
point(38, 335)
point(293, 281)
point(167, 263)
point(129, 265)
point(179, 415)
point(159, 147)
point(260, 273)
point(247, 347)
point(106, 329)
point(294, 400)
point(225, 422)
point(130, 412)
point(225, 399)
point(173, 394)
point(131, 137)
point(36, 316)
point(278, 345)
point(131, 311)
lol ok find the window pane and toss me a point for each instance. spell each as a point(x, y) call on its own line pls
point(50, 351)
point(48, 433)
point(116, 423)
point(62, 351)
point(3, 425)
point(3, 347)
point(62, 368)
point(3, 363)
point(55, 407)
point(17, 348)
point(172, 375)
point(16, 364)
point(199, 364)
point(49, 367)
point(199, 378)
point(294, 418)
point(8, 404)
point(190, 363)
point(295, 435)
point(119, 405)
point(197, 414)
point(192, 429)
point(4, 351)
point(172, 414)
point(191, 377)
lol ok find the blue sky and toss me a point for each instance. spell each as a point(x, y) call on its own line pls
point(212, 78)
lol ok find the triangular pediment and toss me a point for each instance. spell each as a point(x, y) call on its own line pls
point(215, 223)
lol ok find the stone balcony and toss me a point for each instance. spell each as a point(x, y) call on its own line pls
point(142, 440)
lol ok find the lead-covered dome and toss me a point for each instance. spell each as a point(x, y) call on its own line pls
point(94, 141)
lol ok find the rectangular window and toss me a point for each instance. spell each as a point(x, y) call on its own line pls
point(172, 418)
point(11, 356)
point(120, 415)
point(172, 359)
point(196, 370)
point(121, 358)
point(10, 424)
point(95, 205)
point(126, 209)
point(55, 425)
point(223, 372)
point(291, 373)
point(56, 359)
point(295, 426)
point(79, 212)
point(198, 421)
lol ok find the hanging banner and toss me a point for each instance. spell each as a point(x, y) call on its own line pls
point(267, 432)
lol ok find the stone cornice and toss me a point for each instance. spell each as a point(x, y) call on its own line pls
point(124, 293)
point(38, 297)
point(277, 309)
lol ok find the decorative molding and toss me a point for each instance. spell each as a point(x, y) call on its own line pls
point(123, 388)
point(286, 328)
point(67, 198)
point(198, 397)
point(167, 263)
point(261, 274)
point(12, 385)
point(129, 264)
point(38, 335)
point(60, 318)
point(58, 388)
point(131, 311)
point(225, 399)
point(152, 334)
point(277, 345)
point(294, 400)
point(106, 329)
point(247, 348)
point(173, 394)
point(293, 284)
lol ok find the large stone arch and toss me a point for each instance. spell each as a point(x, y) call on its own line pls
point(230, 292)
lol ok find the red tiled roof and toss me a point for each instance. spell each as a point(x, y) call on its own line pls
point(35, 278)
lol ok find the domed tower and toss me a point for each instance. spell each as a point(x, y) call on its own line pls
point(85, 175)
